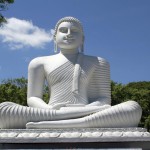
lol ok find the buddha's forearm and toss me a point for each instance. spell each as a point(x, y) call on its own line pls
point(96, 108)
point(37, 103)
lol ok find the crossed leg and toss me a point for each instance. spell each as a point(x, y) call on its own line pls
point(126, 114)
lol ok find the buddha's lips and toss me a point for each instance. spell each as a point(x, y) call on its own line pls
point(68, 38)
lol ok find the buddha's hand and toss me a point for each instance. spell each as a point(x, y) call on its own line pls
point(59, 105)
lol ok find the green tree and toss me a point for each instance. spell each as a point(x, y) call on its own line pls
point(137, 91)
point(4, 6)
point(147, 123)
point(140, 92)
point(118, 93)
point(46, 93)
point(14, 90)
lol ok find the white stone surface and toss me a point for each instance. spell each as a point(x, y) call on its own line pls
point(132, 134)
point(70, 135)
point(27, 135)
point(80, 91)
point(49, 135)
point(8, 135)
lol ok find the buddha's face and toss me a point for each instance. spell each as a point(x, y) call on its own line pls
point(69, 36)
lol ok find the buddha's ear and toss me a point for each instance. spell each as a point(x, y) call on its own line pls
point(83, 38)
point(53, 34)
point(82, 45)
point(55, 44)
point(54, 38)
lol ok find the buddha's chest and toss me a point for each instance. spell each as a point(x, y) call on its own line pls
point(64, 74)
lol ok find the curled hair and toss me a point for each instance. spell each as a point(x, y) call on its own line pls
point(68, 19)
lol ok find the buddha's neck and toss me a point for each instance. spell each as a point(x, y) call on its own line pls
point(71, 55)
point(69, 52)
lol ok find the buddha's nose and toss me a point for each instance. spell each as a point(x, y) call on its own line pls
point(69, 33)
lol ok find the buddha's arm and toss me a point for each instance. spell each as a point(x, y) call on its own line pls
point(36, 80)
point(100, 90)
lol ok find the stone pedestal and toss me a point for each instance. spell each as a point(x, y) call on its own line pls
point(93, 138)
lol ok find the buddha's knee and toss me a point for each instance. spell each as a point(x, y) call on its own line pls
point(9, 116)
point(134, 106)
point(3, 113)
point(4, 106)
point(133, 110)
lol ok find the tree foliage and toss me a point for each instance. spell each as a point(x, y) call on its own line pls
point(4, 6)
point(137, 91)
point(15, 90)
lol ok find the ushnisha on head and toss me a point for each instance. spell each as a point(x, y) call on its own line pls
point(68, 34)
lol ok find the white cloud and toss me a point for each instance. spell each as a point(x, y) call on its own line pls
point(22, 33)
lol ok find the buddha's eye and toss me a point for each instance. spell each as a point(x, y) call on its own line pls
point(74, 30)
point(63, 30)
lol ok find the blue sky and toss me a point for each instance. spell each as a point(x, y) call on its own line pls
point(117, 30)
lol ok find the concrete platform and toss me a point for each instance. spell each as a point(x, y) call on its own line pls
point(93, 138)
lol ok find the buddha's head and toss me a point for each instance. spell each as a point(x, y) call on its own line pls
point(69, 34)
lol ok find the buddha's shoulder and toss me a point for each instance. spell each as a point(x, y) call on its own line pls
point(40, 61)
point(96, 59)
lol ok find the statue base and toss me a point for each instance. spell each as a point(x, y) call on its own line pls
point(87, 138)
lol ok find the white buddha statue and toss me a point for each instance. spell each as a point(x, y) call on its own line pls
point(79, 86)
